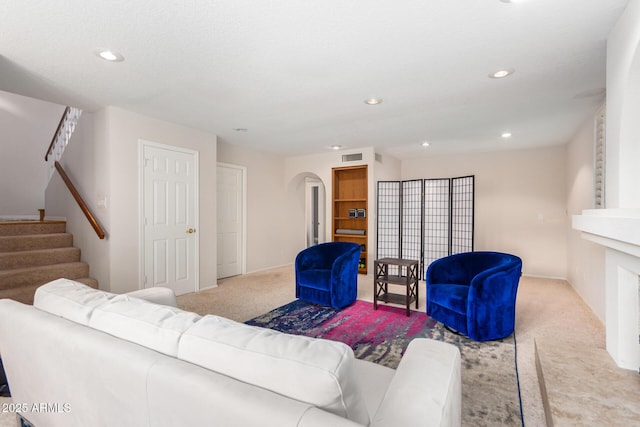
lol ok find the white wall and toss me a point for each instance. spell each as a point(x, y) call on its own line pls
point(83, 161)
point(388, 169)
point(274, 230)
point(103, 162)
point(28, 126)
point(124, 130)
point(585, 260)
point(320, 165)
point(623, 111)
point(519, 202)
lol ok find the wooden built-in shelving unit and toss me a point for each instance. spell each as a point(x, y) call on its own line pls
point(350, 208)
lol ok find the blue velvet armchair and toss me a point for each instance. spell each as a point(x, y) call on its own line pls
point(327, 274)
point(474, 293)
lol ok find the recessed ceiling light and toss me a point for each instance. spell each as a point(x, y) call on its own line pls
point(512, 1)
point(373, 101)
point(336, 147)
point(502, 73)
point(425, 144)
point(506, 135)
point(110, 56)
point(240, 129)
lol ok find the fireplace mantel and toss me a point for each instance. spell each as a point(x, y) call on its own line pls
point(618, 230)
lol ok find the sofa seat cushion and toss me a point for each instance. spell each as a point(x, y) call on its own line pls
point(316, 371)
point(315, 278)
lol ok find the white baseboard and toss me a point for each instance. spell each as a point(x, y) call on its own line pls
point(269, 268)
point(204, 288)
point(539, 276)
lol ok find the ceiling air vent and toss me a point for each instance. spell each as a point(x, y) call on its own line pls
point(351, 157)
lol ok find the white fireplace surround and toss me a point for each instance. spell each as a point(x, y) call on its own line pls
point(619, 231)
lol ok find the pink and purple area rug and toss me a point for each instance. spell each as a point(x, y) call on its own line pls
point(490, 390)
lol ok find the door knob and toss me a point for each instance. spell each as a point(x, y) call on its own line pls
point(191, 230)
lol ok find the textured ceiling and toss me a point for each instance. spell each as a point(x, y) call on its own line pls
point(295, 73)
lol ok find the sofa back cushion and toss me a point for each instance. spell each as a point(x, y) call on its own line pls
point(158, 327)
point(314, 371)
point(70, 300)
point(154, 326)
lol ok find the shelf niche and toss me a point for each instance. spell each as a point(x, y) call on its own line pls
point(350, 208)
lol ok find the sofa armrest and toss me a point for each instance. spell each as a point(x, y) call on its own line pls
point(315, 417)
point(426, 388)
point(157, 295)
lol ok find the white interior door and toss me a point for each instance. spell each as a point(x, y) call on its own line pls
point(170, 223)
point(230, 218)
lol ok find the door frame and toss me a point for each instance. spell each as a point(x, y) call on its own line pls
point(142, 143)
point(243, 240)
point(310, 182)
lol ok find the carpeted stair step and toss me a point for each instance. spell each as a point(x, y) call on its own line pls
point(35, 242)
point(88, 281)
point(25, 294)
point(15, 228)
point(33, 253)
point(43, 274)
point(24, 259)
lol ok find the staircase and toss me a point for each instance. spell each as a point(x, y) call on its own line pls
point(33, 253)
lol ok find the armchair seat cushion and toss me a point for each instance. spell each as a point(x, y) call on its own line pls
point(315, 279)
point(454, 297)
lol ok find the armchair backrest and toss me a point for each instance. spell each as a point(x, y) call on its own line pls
point(504, 275)
point(464, 267)
point(323, 255)
point(485, 263)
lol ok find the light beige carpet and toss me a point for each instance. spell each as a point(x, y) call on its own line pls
point(241, 298)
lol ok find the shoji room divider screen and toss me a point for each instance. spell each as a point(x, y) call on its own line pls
point(425, 219)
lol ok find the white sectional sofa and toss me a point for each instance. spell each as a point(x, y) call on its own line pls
point(83, 357)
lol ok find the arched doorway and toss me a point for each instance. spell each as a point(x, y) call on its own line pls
point(307, 196)
point(314, 211)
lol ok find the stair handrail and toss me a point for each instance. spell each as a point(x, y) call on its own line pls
point(83, 206)
point(55, 135)
point(61, 137)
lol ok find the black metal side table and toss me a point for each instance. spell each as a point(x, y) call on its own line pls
point(407, 276)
